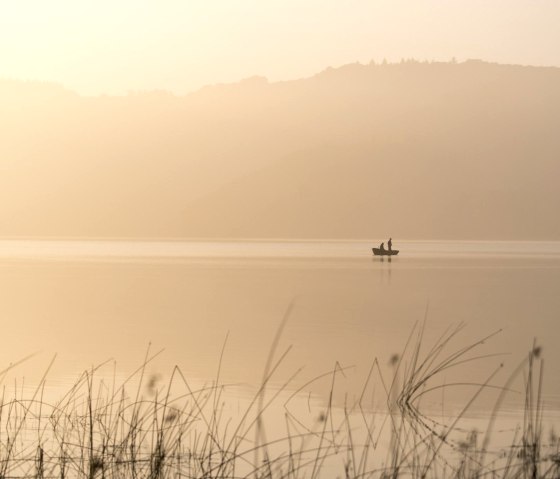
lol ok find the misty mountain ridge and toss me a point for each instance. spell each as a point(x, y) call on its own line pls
point(414, 150)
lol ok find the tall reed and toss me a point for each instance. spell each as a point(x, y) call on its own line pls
point(155, 430)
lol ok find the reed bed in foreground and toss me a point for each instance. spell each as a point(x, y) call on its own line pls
point(142, 429)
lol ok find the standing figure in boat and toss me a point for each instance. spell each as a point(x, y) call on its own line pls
point(390, 244)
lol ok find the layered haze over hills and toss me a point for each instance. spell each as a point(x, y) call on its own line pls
point(415, 150)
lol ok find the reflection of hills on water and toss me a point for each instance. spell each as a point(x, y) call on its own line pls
point(414, 150)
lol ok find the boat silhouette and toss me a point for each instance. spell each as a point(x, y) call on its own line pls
point(384, 252)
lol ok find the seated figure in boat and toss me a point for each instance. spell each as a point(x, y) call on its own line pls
point(382, 247)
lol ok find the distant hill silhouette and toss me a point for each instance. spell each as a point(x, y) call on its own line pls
point(414, 150)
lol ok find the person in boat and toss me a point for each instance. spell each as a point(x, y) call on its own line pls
point(390, 244)
point(382, 247)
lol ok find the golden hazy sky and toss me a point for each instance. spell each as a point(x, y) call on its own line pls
point(114, 46)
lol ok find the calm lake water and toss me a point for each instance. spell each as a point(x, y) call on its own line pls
point(90, 301)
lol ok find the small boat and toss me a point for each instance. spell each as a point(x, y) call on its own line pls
point(384, 252)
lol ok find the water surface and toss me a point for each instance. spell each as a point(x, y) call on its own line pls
point(90, 301)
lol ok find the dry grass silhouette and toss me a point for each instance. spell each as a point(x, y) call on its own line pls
point(155, 430)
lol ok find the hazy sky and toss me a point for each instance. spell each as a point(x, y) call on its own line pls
point(108, 46)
